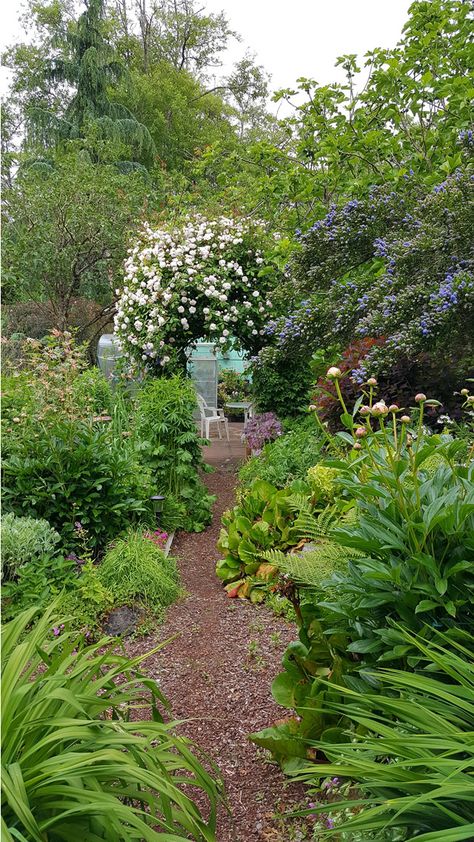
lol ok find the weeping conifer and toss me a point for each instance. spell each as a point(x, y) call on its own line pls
point(89, 68)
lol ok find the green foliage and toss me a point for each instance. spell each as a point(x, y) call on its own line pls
point(65, 232)
point(24, 541)
point(285, 459)
point(91, 390)
point(263, 519)
point(68, 471)
point(341, 139)
point(400, 540)
point(231, 388)
point(18, 403)
point(180, 119)
point(169, 444)
point(39, 582)
point(311, 567)
point(281, 386)
point(79, 762)
point(86, 600)
point(134, 569)
point(415, 526)
point(410, 750)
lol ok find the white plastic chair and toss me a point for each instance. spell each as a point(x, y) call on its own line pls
point(211, 415)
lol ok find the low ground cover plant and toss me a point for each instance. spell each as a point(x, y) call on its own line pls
point(89, 750)
point(25, 540)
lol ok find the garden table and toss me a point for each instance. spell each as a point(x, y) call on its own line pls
point(245, 406)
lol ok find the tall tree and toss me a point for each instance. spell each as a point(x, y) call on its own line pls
point(76, 80)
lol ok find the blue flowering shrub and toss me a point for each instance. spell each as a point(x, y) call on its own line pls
point(398, 267)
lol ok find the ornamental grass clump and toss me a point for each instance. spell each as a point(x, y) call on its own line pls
point(87, 750)
point(135, 569)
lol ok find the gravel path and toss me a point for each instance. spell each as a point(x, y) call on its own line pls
point(217, 673)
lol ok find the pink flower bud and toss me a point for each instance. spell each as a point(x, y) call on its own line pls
point(380, 408)
point(361, 432)
point(405, 419)
point(420, 397)
point(333, 373)
point(371, 381)
point(393, 407)
point(357, 446)
point(365, 410)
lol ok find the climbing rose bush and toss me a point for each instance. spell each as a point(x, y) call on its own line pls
point(206, 279)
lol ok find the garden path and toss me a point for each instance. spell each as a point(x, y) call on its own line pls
point(218, 671)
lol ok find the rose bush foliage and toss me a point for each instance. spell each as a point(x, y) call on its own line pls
point(203, 279)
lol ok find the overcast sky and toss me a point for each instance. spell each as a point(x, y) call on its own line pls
point(291, 38)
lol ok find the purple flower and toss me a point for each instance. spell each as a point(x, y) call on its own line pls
point(261, 429)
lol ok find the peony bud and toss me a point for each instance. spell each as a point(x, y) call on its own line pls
point(333, 373)
point(357, 446)
point(380, 408)
point(393, 408)
point(361, 432)
point(409, 441)
point(470, 399)
point(365, 410)
point(464, 392)
point(405, 419)
point(312, 407)
point(420, 397)
point(371, 381)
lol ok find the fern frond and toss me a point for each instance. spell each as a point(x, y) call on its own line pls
point(310, 569)
point(299, 502)
point(309, 526)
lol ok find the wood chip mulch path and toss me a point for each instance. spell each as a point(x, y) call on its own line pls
point(217, 673)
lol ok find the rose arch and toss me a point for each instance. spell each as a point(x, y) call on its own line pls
point(206, 279)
